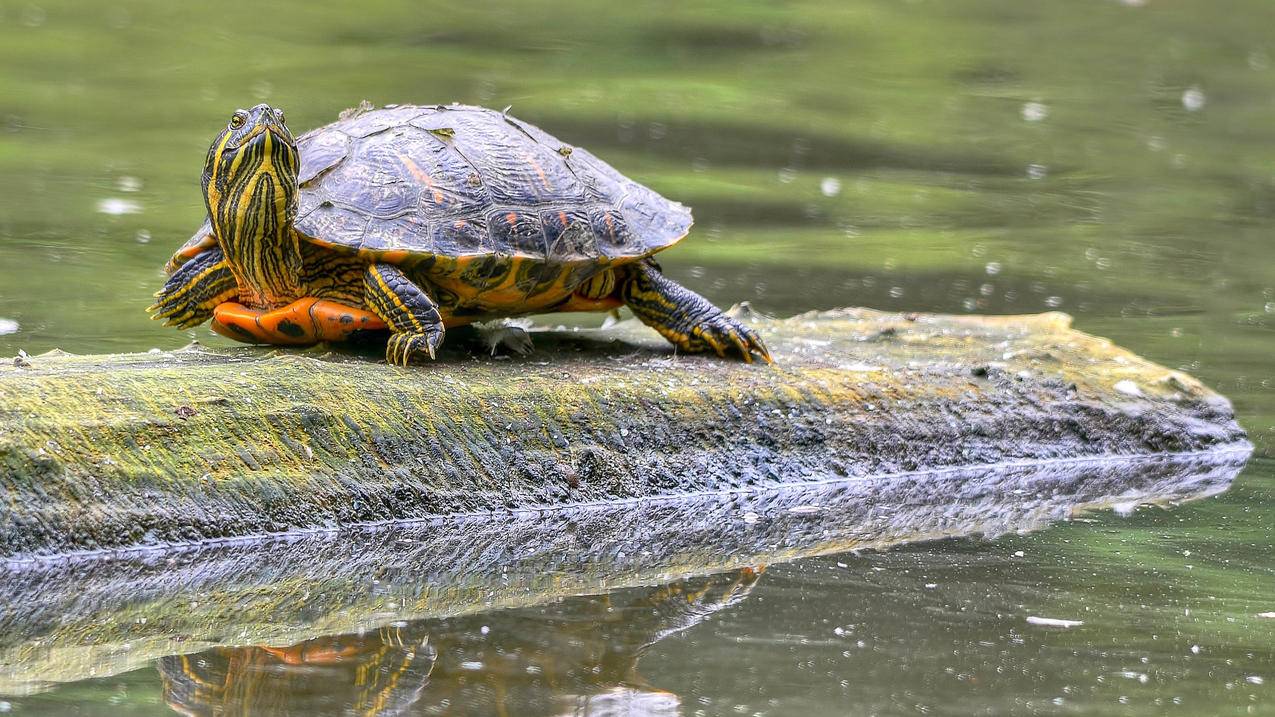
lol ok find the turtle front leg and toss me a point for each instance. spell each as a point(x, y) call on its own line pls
point(409, 312)
point(194, 290)
point(686, 319)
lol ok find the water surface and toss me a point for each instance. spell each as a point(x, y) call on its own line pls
point(1115, 160)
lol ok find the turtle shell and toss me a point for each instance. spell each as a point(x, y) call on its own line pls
point(459, 184)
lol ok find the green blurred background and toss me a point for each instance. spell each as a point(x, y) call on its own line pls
point(1114, 160)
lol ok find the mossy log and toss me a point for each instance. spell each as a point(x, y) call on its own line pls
point(125, 451)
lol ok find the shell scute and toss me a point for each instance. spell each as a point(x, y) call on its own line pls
point(366, 124)
point(461, 237)
point(320, 151)
point(519, 231)
point(390, 234)
point(333, 224)
point(569, 235)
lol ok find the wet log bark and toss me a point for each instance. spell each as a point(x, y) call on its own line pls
point(135, 450)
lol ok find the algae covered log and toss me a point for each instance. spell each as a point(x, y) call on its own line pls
point(101, 452)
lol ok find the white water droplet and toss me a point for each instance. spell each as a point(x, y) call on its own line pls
point(1193, 99)
point(830, 186)
point(1034, 111)
point(116, 206)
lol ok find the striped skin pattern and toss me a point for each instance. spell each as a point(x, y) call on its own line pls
point(686, 319)
point(194, 290)
point(250, 187)
point(409, 312)
point(426, 217)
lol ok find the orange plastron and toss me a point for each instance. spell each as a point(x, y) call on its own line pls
point(304, 321)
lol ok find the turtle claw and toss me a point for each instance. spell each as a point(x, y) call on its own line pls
point(723, 334)
point(403, 347)
point(190, 295)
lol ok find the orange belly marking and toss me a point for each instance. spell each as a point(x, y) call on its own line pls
point(304, 321)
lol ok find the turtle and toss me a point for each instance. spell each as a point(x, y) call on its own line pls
point(420, 218)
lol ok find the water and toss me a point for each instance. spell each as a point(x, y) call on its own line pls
point(1108, 159)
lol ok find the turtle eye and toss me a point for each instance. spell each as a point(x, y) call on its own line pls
point(237, 120)
point(279, 114)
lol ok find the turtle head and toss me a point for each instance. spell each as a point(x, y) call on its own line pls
point(250, 188)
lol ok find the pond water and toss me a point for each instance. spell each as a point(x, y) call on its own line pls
point(1114, 160)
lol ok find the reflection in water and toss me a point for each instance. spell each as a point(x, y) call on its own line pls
point(576, 657)
point(378, 674)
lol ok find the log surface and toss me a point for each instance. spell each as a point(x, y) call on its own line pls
point(121, 451)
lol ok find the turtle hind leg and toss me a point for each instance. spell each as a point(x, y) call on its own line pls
point(686, 319)
point(409, 312)
point(194, 290)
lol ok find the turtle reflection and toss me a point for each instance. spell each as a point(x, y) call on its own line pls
point(578, 657)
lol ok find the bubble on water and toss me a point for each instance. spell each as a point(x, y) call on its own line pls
point(471, 665)
point(787, 175)
point(1193, 99)
point(128, 184)
point(969, 304)
point(657, 131)
point(1053, 302)
point(993, 268)
point(1034, 111)
point(1037, 171)
point(1254, 679)
point(1155, 143)
point(987, 289)
point(143, 236)
point(8, 326)
point(896, 292)
point(116, 206)
point(1270, 307)
point(1258, 60)
point(830, 186)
